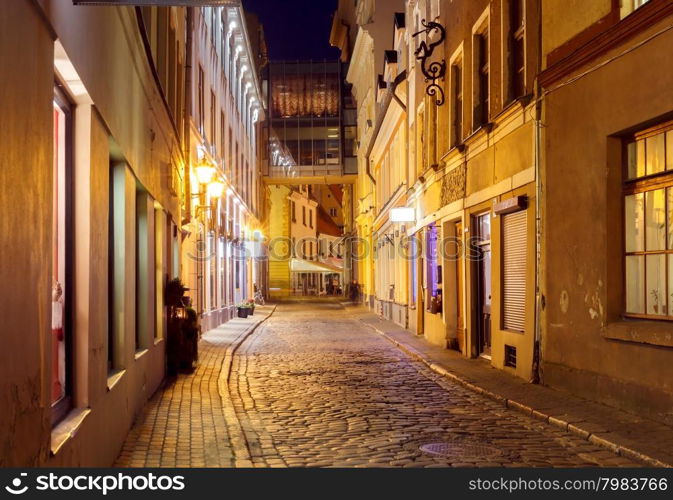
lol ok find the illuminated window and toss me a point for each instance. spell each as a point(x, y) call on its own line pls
point(629, 6)
point(648, 223)
point(61, 331)
point(432, 279)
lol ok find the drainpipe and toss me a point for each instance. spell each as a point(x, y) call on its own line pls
point(187, 131)
point(390, 95)
point(537, 348)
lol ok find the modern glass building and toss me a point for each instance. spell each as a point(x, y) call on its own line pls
point(311, 120)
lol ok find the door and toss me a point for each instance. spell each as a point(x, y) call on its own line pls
point(483, 284)
point(460, 318)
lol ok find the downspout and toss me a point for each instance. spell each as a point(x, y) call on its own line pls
point(537, 349)
point(187, 131)
point(390, 95)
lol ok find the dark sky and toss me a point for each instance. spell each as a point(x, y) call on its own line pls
point(296, 29)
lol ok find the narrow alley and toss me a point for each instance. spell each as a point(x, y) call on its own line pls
point(313, 386)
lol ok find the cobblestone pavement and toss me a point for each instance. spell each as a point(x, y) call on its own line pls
point(315, 387)
point(190, 422)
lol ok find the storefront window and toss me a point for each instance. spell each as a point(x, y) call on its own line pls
point(61, 204)
point(432, 268)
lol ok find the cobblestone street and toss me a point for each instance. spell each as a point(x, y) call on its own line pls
point(313, 386)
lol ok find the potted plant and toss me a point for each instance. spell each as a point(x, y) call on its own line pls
point(251, 305)
point(243, 310)
point(182, 329)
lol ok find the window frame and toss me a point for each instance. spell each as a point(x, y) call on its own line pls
point(648, 183)
point(481, 69)
point(60, 408)
point(201, 99)
point(515, 35)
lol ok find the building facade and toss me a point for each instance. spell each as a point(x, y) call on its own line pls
point(223, 254)
point(91, 180)
point(460, 155)
point(496, 255)
point(607, 203)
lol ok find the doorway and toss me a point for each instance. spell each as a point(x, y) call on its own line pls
point(482, 245)
point(460, 320)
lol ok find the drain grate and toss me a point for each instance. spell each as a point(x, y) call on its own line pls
point(463, 451)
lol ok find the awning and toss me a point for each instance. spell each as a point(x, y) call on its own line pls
point(308, 266)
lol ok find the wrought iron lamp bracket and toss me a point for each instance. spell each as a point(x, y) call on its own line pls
point(436, 70)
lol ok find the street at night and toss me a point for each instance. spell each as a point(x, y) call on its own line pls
point(314, 386)
point(271, 239)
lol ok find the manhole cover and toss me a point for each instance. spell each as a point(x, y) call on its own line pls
point(461, 450)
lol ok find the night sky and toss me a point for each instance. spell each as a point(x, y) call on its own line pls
point(296, 29)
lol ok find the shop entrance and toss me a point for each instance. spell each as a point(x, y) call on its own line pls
point(482, 285)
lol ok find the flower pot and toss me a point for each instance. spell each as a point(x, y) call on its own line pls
point(242, 312)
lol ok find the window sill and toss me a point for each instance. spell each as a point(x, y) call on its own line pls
point(139, 354)
point(67, 428)
point(158, 341)
point(114, 378)
point(650, 332)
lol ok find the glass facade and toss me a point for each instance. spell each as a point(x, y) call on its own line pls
point(306, 119)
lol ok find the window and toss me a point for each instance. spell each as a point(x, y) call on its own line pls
point(293, 208)
point(432, 265)
point(629, 6)
point(514, 271)
point(116, 266)
point(222, 135)
point(413, 263)
point(212, 270)
point(144, 266)
point(230, 158)
point(303, 215)
point(310, 218)
point(517, 57)
point(160, 265)
point(648, 223)
point(457, 124)
point(333, 212)
point(237, 168)
point(61, 331)
point(213, 121)
point(481, 70)
point(201, 101)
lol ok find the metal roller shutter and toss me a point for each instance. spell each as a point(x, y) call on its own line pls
point(514, 270)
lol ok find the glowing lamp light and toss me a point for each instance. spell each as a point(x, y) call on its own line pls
point(205, 171)
point(216, 189)
point(403, 214)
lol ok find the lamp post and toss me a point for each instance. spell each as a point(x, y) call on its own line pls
point(213, 186)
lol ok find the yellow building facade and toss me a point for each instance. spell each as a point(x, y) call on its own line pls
point(462, 154)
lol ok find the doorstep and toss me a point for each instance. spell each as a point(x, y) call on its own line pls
point(632, 436)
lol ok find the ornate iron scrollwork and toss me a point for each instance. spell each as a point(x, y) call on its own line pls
point(436, 70)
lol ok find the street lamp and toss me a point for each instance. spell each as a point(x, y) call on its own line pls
point(205, 171)
point(216, 189)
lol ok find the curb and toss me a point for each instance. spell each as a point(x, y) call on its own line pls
point(237, 437)
point(577, 430)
